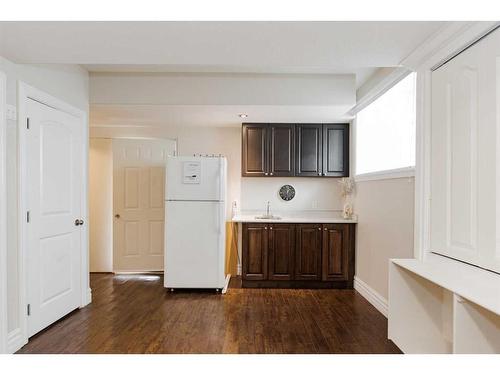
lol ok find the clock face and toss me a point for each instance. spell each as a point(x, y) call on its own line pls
point(287, 192)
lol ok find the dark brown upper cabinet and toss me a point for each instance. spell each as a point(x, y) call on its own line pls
point(282, 150)
point(255, 150)
point(309, 150)
point(302, 150)
point(336, 150)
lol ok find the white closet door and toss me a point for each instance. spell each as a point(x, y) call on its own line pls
point(138, 203)
point(55, 179)
point(464, 150)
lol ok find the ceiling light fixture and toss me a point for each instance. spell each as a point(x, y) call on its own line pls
point(243, 115)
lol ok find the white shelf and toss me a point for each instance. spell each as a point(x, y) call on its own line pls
point(443, 306)
point(472, 283)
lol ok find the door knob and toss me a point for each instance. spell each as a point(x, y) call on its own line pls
point(78, 222)
point(117, 216)
point(81, 222)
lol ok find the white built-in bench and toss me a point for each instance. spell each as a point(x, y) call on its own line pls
point(441, 305)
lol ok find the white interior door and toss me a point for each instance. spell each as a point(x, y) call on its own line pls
point(138, 203)
point(54, 195)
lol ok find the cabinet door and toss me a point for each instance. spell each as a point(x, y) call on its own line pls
point(281, 251)
point(308, 252)
point(282, 150)
point(309, 150)
point(255, 241)
point(254, 150)
point(336, 150)
point(336, 247)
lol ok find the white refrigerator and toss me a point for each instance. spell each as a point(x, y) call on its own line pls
point(195, 233)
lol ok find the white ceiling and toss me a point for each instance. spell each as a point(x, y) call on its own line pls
point(208, 115)
point(215, 47)
point(316, 47)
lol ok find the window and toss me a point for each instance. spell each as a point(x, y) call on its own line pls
point(385, 130)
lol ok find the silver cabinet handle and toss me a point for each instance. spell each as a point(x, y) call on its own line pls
point(324, 228)
point(271, 173)
point(319, 174)
point(271, 228)
point(265, 174)
point(319, 228)
point(265, 228)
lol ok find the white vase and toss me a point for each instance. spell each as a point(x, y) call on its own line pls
point(347, 211)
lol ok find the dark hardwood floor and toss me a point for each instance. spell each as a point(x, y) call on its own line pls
point(135, 314)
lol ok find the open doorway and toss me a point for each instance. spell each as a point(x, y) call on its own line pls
point(127, 214)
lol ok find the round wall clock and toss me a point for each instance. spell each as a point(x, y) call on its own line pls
point(287, 192)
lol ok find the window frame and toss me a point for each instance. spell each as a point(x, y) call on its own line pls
point(383, 174)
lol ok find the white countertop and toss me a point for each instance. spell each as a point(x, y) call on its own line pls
point(295, 217)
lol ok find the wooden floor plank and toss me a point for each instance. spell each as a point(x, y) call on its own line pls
point(135, 314)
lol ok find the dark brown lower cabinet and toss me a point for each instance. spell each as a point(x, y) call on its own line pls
point(281, 245)
point(282, 255)
point(335, 252)
point(308, 252)
point(255, 241)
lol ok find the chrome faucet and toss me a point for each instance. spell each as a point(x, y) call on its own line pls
point(268, 214)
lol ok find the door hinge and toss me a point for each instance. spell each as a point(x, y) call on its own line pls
point(27, 216)
point(28, 123)
point(28, 309)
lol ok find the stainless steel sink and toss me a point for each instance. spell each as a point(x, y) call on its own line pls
point(268, 217)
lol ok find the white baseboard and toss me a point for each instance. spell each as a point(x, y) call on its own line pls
point(379, 302)
point(226, 284)
point(15, 340)
point(89, 296)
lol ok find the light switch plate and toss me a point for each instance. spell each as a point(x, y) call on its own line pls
point(11, 112)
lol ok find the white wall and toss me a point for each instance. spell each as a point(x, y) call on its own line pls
point(310, 194)
point(101, 205)
point(66, 82)
point(224, 89)
point(194, 140)
point(3, 215)
point(385, 210)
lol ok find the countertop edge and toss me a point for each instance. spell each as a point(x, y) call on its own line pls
point(293, 220)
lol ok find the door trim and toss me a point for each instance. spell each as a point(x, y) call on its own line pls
point(26, 92)
point(3, 215)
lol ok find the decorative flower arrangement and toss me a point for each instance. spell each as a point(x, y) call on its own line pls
point(347, 189)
